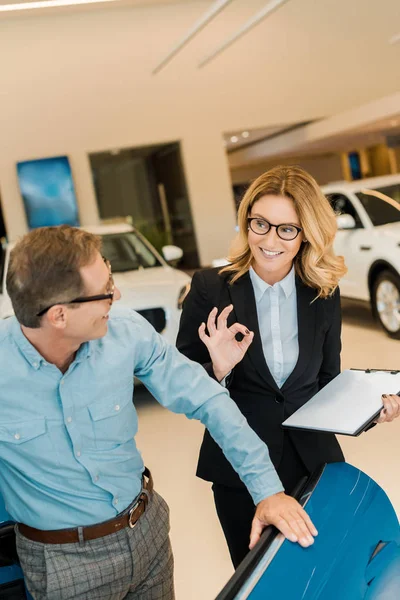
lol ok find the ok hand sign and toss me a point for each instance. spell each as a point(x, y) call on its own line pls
point(225, 351)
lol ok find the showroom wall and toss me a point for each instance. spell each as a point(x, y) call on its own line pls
point(67, 90)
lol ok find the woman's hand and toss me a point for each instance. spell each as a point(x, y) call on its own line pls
point(225, 351)
point(391, 408)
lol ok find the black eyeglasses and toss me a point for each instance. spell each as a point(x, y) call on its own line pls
point(83, 299)
point(285, 231)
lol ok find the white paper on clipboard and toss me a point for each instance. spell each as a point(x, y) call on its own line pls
point(347, 403)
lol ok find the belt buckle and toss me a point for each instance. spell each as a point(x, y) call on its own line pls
point(131, 513)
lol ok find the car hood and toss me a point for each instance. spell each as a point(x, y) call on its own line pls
point(150, 288)
point(390, 229)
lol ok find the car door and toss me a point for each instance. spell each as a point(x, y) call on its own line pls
point(354, 245)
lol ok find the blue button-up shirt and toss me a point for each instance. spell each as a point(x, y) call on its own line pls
point(67, 450)
point(277, 320)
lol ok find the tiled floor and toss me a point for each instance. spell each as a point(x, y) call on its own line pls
point(170, 446)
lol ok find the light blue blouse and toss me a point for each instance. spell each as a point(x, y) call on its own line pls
point(277, 320)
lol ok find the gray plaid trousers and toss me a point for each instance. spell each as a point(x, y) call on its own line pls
point(132, 564)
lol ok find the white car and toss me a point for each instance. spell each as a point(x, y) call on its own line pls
point(369, 239)
point(147, 282)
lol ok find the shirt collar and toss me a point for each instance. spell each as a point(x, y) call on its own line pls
point(85, 350)
point(287, 284)
point(34, 357)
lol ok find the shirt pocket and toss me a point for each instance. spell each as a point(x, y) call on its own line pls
point(113, 421)
point(19, 432)
point(28, 443)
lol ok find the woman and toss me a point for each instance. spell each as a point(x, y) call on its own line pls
point(280, 291)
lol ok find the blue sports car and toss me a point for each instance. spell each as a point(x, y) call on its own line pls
point(356, 555)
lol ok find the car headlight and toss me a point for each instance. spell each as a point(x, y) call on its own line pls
point(182, 294)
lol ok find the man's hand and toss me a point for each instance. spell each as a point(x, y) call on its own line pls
point(225, 351)
point(390, 410)
point(286, 514)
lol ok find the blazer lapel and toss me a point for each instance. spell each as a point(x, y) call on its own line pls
point(244, 305)
point(307, 321)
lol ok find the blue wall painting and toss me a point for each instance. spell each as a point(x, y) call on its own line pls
point(48, 192)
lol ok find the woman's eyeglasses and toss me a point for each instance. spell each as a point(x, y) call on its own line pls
point(285, 231)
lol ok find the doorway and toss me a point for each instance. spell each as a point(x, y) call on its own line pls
point(148, 184)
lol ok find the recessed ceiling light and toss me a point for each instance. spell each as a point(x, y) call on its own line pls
point(46, 4)
point(245, 134)
point(234, 139)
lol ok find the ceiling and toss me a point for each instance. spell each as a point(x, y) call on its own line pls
point(306, 61)
point(233, 140)
point(368, 135)
point(133, 3)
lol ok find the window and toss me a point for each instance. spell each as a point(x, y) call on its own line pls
point(342, 205)
point(127, 252)
point(382, 204)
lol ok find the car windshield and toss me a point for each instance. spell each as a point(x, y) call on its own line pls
point(127, 252)
point(382, 204)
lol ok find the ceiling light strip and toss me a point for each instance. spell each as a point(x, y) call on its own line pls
point(255, 20)
point(46, 4)
point(208, 16)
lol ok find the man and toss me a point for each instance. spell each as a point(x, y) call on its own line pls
point(90, 524)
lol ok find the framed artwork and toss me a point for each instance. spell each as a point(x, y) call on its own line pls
point(48, 193)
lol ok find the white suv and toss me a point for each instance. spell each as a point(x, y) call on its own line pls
point(147, 282)
point(368, 215)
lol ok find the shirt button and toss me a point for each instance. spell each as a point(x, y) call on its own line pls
point(96, 478)
point(115, 500)
point(78, 453)
point(17, 436)
point(69, 419)
point(116, 407)
point(62, 381)
point(35, 364)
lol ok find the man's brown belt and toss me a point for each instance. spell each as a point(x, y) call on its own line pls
point(128, 518)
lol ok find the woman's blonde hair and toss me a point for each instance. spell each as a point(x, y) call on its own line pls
point(316, 263)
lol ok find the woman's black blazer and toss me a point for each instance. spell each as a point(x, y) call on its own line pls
point(251, 384)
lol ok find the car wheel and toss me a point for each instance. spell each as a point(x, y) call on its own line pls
point(386, 302)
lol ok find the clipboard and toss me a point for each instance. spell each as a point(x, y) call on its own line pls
point(347, 405)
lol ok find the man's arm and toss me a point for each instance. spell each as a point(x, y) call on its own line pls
point(183, 387)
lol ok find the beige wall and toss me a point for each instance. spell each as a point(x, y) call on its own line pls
point(67, 88)
point(324, 168)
